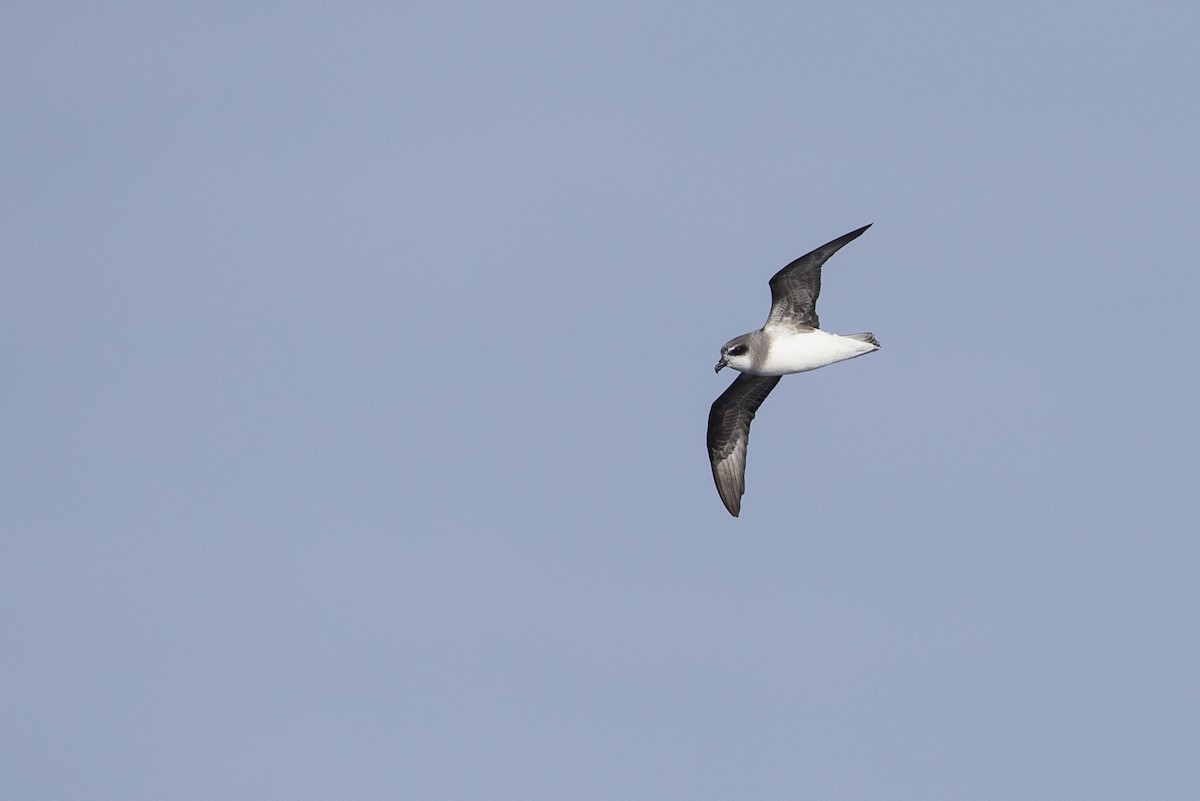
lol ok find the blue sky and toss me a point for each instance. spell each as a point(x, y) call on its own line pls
point(358, 360)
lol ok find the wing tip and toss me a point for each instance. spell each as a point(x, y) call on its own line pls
point(731, 485)
point(859, 232)
point(732, 505)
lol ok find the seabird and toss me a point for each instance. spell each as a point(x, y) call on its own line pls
point(791, 341)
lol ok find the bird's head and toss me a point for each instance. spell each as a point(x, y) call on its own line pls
point(736, 353)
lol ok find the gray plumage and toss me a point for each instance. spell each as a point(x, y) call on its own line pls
point(729, 433)
point(795, 288)
point(790, 341)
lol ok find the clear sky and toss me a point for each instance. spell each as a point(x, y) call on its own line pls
point(357, 359)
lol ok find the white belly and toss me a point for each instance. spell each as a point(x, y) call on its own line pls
point(797, 352)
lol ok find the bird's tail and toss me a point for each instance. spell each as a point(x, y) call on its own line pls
point(866, 336)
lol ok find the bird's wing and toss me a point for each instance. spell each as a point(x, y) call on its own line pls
point(729, 431)
point(794, 289)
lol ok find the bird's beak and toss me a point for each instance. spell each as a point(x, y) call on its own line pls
point(720, 364)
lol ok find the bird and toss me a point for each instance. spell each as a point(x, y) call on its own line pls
point(791, 341)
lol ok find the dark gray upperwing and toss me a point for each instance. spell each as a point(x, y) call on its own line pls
point(795, 288)
point(729, 432)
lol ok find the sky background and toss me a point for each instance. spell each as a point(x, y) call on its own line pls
point(357, 359)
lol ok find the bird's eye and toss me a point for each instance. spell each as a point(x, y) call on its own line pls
point(738, 350)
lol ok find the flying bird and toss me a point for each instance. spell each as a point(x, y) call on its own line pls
point(791, 341)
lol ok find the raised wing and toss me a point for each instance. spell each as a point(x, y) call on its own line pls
point(729, 432)
point(795, 288)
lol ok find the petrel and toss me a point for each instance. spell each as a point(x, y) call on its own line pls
point(791, 341)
